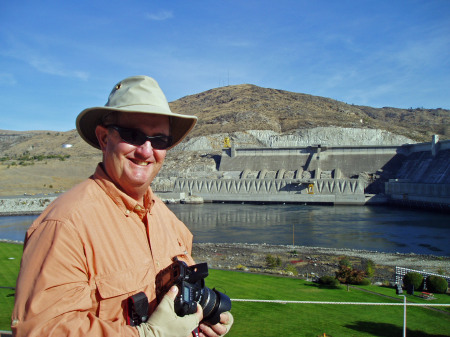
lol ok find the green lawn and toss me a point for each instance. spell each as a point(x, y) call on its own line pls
point(272, 319)
point(10, 255)
point(264, 319)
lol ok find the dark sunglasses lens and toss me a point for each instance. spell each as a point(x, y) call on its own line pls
point(131, 136)
point(136, 137)
point(161, 142)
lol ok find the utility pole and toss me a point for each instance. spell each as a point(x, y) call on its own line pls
point(293, 234)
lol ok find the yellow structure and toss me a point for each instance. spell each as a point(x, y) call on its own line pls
point(226, 142)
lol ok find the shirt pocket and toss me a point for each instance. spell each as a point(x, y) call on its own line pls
point(114, 289)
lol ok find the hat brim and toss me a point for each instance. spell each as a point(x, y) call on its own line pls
point(88, 120)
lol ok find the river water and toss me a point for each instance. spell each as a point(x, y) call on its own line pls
point(375, 228)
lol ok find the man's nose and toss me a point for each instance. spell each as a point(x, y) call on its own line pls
point(145, 149)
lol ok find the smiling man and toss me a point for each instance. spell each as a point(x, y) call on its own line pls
point(107, 238)
point(131, 167)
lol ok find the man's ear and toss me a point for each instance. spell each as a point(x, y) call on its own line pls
point(102, 135)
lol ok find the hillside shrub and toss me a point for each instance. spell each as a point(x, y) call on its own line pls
point(329, 281)
point(272, 261)
point(241, 267)
point(413, 278)
point(291, 269)
point(436, 284)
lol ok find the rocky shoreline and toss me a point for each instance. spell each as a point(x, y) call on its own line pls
point(25, 205)
point(313, 261)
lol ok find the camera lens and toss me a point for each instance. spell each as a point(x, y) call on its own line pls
point(213, 303)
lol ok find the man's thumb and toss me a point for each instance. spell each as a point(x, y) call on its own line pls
point(172, 293)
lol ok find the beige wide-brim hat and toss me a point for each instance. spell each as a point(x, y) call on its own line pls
point(137, 94)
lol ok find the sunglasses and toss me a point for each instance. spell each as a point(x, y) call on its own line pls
point(138, 138)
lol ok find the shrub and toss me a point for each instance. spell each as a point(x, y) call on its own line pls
point(241, 267)
point(291, 269)
point(370, 268)
point(329, 281)
point(436, 284)
point(414, 279)
point(365, 282)
point(345, 262)
point(272, 262)
point(348, 275)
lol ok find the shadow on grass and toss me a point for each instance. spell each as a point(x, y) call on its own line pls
point(323, 286)
point(387, 330)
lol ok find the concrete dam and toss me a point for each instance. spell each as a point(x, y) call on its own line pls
point(415, 175)
point(411, 174)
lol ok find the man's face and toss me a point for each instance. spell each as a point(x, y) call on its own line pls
point(131, 167)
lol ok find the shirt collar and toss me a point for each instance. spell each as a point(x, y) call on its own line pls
point(126, 204)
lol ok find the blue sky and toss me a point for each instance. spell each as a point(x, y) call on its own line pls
point(59, 57)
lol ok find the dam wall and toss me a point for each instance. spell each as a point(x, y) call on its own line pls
point(423, 179)
point(350, 160)
point(411, 174)
point(313, 174)
point(325, 191)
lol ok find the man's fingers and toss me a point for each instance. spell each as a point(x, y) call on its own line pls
point(199, 312)
point(172, 293)
point(213, 331)
point(220, 329)
point(225, 318)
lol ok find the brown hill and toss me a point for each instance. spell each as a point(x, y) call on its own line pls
point(37, 161)
point(249, 107)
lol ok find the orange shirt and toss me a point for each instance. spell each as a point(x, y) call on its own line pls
point(90, 250)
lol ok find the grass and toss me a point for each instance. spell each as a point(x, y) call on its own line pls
point(271, 319)
point(10, 255)
point(316, 319)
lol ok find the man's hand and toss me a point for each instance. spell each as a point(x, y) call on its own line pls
point(220, 329)
point(164, 322)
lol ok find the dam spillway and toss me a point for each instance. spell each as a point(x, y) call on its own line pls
point(326, 191)
point(410, 174)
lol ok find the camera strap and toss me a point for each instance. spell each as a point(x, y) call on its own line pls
point(137, 312)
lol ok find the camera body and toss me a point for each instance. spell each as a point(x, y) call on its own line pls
point(190, 281)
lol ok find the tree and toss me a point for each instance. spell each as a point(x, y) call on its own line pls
point(437, 284)
point(413, 279)
point(349, 275)
point(272, 262)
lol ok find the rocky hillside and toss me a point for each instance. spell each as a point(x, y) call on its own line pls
point(42, 162)
point(248, 107)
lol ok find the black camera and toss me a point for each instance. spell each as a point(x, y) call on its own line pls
point(192, 290)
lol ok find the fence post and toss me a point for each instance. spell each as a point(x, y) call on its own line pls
point(404, 316)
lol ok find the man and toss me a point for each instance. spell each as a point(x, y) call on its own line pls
point(108, 237)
